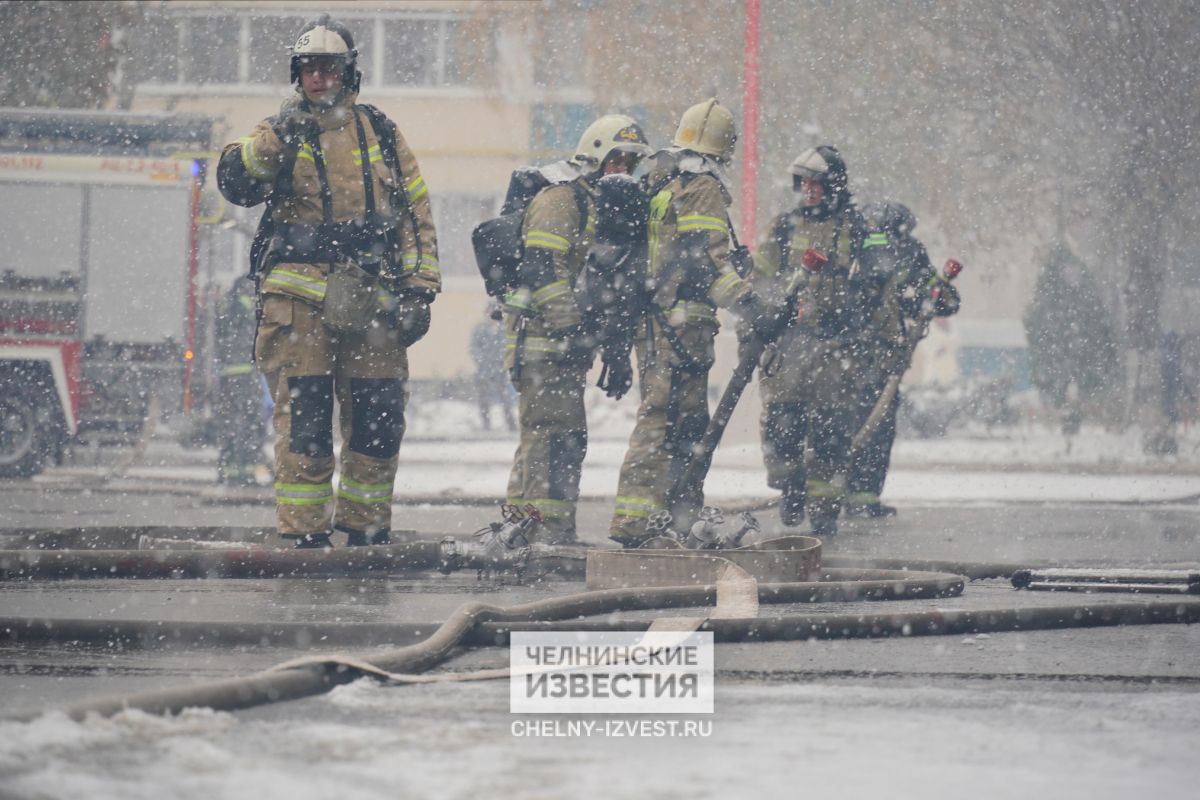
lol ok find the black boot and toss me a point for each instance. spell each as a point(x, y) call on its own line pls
point(312, 541)
point(867, 504)
point(791, 505)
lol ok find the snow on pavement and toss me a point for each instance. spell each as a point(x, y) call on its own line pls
point(452, 741)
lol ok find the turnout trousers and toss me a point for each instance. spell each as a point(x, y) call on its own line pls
point(671, 421)
point(870, 464)
point(549, 458)
point(307, 366)
point(809, 402)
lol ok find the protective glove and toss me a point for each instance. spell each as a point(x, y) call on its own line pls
point(765, 320)
point(294, 127)
point(616, 377)
point(411, 318)
point(944, 298)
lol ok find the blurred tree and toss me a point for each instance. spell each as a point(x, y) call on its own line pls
point(60, 54)
point(1124, 70)
point(1070, 333)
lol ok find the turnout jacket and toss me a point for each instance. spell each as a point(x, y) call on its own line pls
point(556, 234)
point(249, 167)
point(689, 271)
point(847, 300)
point(914, 292)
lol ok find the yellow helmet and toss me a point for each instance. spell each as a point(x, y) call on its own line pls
point(612, 133)
point(707, 128)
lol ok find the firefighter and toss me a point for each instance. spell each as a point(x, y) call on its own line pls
point(549, 342)
point(347, 209)
point(919, 294)
point(810, 377)
point(689, 275)
point(238, 404)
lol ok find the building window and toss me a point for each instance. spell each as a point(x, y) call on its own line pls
point(270, 38)
point(411, 52)
point(158, 64)
point(218, 47)
point(210, 51)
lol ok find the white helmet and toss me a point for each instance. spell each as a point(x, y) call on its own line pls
point(707, 128)
point(612, 133)
point(326, 38)
point(823, 164)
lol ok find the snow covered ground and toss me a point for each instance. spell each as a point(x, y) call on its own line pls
point(768, 740)
point(1000, 727)
point(446, 455)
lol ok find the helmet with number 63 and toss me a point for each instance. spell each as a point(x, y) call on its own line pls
point(612, 133)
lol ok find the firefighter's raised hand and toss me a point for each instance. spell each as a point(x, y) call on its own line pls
point(294, 127)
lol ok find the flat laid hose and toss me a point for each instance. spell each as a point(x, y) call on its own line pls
point(303, 681)
point(482, 625)
point(477, 624)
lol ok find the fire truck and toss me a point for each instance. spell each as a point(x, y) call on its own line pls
point(99, 215)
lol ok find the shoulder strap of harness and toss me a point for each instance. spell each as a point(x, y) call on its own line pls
point(385, 132)
point(580, 204)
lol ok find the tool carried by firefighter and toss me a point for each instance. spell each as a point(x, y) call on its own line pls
point(764, 333)
point(912, 338)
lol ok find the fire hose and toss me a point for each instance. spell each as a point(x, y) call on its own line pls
point(477, 624)
point(481, 625)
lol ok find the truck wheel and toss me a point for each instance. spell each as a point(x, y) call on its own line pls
point(21, 450)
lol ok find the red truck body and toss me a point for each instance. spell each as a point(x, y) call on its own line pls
point(98, 213)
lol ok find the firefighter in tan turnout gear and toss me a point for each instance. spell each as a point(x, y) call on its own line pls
point(346, 263)
point(689, 275)
point(920, 294)
point(550, 343)
point(811, 376)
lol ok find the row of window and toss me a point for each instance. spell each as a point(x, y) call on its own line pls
point(208, 48)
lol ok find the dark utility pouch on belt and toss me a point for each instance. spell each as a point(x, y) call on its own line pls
point(350, 298)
